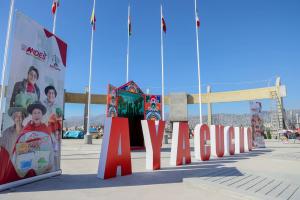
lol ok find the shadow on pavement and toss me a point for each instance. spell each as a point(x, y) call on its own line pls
point(88, 181)
point(166, 175)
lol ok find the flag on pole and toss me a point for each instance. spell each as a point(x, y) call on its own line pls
point(129, 25)
point(55, 5)
point(163, 24)
point(93, 20)
point(197, 19)
point(128, 41)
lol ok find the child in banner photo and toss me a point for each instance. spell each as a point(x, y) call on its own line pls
point(50, 102)
point(34, 147)
point(26, 92)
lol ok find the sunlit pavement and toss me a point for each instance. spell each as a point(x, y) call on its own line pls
point(270, 173)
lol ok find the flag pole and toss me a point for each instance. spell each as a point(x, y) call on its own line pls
point(128, 35)
point(198, 62)
point(8, 33)
point(162, 64)
point(54, 21)
point(90, 77)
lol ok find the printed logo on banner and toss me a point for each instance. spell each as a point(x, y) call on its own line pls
point(40, 55)
point(55, 62)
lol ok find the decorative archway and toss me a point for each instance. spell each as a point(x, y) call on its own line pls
point(129, 101)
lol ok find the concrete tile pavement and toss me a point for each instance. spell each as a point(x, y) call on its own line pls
point(80, 163)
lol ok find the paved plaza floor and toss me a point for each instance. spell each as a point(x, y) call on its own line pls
point(270, 173)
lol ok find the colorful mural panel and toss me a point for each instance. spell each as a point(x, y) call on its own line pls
point(130, 104)
point(131, 87)
point(153, 107)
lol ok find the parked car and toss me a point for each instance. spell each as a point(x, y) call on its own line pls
point(74, 135)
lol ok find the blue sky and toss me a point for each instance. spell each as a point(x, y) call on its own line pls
point(240, 42)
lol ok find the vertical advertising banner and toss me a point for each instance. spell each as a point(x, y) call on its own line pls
point(257, 124)
point(31, 132)
point(112, 102)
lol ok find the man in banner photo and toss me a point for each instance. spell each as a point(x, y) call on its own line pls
point(26, 91)
point(32, 123)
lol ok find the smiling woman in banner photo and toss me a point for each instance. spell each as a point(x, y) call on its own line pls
point(10, 135)
point(26, 92)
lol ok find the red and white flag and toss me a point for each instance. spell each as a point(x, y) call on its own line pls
point(197, 20)
point(55, 5)
point(163, 24)
point(129, 25)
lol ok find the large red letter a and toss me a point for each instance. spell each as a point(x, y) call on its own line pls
point(115, 149)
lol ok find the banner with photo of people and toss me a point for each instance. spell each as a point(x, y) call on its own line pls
point(257, 124)
point(31, 130)
point(112, 102)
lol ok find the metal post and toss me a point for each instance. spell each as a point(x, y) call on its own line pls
point(88, 136)
point(128, 40)
point(198, 66)
point(162, 65)
point(8, 33)
point(85, 110)
point(297, 121)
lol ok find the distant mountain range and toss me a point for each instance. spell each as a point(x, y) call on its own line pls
point(77, 121)
point(244, 119)
point(220, 118)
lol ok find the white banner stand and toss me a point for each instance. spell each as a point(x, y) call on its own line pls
point(29, 180)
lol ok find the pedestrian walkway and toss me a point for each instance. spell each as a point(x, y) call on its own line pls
point(271, 173)
point(249, 184)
